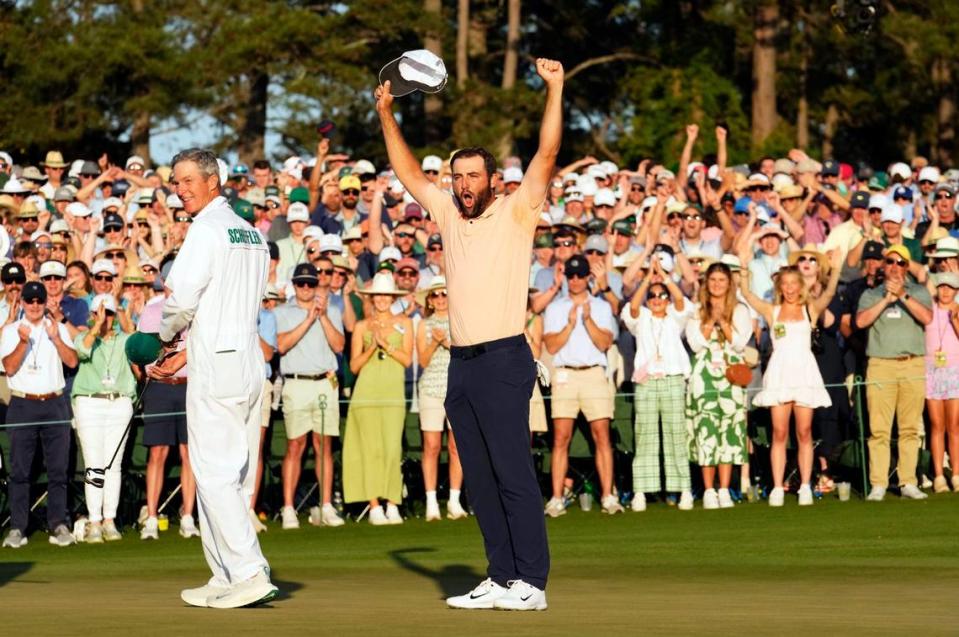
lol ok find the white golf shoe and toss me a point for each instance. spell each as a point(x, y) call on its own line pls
point(252, 592)
point(199, 596)
point(393, 514)
point(330, 517)
point(725, 500)
point(94, 534)
point(777, 497)
point(912, 492)
point(611, 505)
point(15, 539)
point(555, 507)
point(480, 598)
point(521, 596)
point(433, 512)
point(805, 496)
point(150, 530)
point(188, 527)
point(378, 517)
point(110, 531)
point(290, 521)
point(685, 501)
point(710, 499)
point(455, 511)
point(638, 503)
point(876, 494)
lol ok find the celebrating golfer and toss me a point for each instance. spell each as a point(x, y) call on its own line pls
point(487, 240)
point(216, 284)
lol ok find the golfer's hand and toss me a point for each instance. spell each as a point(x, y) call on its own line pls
point(384, 100)
point(550, 70)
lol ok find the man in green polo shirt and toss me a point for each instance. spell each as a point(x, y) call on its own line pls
point(896, 314)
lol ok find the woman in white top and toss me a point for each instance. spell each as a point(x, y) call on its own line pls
point(661, 366)
point(792, 383)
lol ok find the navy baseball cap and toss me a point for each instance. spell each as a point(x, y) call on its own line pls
point(830, 168)
point(34, 290)
point(872, 250)
point(304, 272)
point(859, 199)
point(576, 266)
point(901, 192)
point(13, 272)
point(113, 221)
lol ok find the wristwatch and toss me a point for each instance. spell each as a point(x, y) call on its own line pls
point(905, 297)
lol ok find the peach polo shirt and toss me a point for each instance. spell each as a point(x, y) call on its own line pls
point(487, 263)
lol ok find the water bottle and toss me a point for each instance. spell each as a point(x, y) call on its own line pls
point(587, 496)
point(338, 501)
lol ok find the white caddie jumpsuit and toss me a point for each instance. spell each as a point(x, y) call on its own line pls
point(216, 284)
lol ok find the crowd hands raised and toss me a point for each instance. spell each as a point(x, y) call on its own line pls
point(714, 295)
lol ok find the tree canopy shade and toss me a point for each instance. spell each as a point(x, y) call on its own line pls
point(86, 76)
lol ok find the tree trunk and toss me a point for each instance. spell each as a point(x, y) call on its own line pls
point(945, 114)
point(140, 136)
point(462, 42)
point(764, 115)
point(831, 124)
point(251, 131)
point(802, 110)
point(510, 65)
point(432, 104)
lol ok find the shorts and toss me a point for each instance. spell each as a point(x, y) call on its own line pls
point(942, 383)
point(266, 407)
point(582, 390)
point(168, 427)
point(301, 408)
point(432, 413)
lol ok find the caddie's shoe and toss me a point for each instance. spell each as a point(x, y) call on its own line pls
point(94, 534)
point(805, 496)
point(198, 596)
point(876, 494)
point(393, 514)
point(258, 525)
point(330, 517)
point(521, 596)
point(377, 517)
point(150, 530)
point(433, 512)
point(555, 507)
point(290, 521)
point(638, 503)
point(252, 592)
point(912, 492)
point(777, 497)
point(110, 532)
point(710, 499)
point(611, 505)
point(480, 598)
point(62, 536)
point(685, 501)
point(725, 500)
point(188, 527)
point(15, 539)
point(455, 511)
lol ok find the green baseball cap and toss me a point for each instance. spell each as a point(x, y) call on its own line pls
point(300, 194)
point(143, 348)
point(623, 227)
point(879, 181)
point(596, 226)
point(244, 210)
point(544, 240)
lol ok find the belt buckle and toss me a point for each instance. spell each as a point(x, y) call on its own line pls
point(474, 350)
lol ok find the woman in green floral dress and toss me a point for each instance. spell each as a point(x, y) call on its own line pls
point(715, 408)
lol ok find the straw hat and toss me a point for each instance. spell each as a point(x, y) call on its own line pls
point(382, 284)
point(437, 283)
point(810, 251)
point(339, 261)
point(134, 276)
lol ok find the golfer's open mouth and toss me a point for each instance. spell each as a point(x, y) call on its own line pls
point(467, 199)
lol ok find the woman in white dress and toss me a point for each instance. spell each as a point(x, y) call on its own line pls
point(792, 383)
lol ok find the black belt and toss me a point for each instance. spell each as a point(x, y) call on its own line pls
point(106, 395)
point(467, 352)
point(307, 376)
point(578, 368)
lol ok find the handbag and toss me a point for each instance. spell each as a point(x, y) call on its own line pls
point(815, 335)
point(738, 374)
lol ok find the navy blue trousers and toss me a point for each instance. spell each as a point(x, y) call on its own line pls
point(55, 439)
point(487, 403)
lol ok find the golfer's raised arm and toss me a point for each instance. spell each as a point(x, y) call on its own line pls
point(543, 164)
point(404, 164)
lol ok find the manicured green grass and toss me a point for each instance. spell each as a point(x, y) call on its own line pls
point(835, 568)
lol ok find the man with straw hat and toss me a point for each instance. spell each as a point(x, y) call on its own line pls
point(487, 243)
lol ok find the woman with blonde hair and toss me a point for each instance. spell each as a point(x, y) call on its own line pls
point(792, 383)
point(717, 332)
point(942, 378)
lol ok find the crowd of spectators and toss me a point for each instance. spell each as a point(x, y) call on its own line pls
point(713, 295)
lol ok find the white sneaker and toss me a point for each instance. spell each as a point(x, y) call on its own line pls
point(876, 494)
point(150, 530)
point(142, 517)
point(805, 496)
point(611, 505)
point(258, 525)
point(912, 492)
point(710, 499)
point(198, 596)
point(252, 592)
point(330, 516)
point(433, 512)
point(685, 501)
point(110, 531)
point(521, 596)
point(393, 514)
point(777, 497)
point(455, 511)
point(926, 482)
point(62, 536)
point(94, 534)
point(638, 503)
point(378, 517)
point(481, 597)
point(15, 539)
point(314, 517)
point(555, 507)
point(290, 521)
point(188, 527)
point(725, 500)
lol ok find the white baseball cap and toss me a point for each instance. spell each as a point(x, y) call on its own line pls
point(106, 300)
point(116, 202)
point(604, 197)
point(173, 202)
point(53, 268)
point(135, 160)
point(609, 167)
point(899, 169)
point(297, 212)
point(929, 173)
point(313, 232)
point(648, 204)
point(891, 212)
point(418, 70)
point(879, 200)
point(430, 162)
point(390, 252)
point(512, 175)
point(103, 266)
point(331, 242)
point(587, 186)
point(78, 209)
point(363, 167)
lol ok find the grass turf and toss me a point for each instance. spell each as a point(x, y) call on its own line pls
point(851, 568)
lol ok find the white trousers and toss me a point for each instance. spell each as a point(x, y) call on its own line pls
point(101, 429)
point(224, 436)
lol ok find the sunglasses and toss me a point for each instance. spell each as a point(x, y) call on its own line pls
point(149, 270)
point(405, 235)
point(339, 273)
point(696, 261)
point(326, 272)
point(674, 215)
point(636, 189)
point(52, 277)
point(33, 302)
point(594, 252)
point(435, 248)
point(926, 181)
point(103, 277)
point(662, 296)
point(351, 192)
point(435, 295)
point(184, 219)
point(741, 212)
point(804, 259)
point(945, 196)
point(694, 217)
point(46, 245)
point(565, 244)
point(272, 204)
point(17, 283)
point(115, 255)
point(577, 276)
point(602, 205)
point(59, 247)
point(113, 229)
point(305, 284)
point(142, 224)
point(623, 233)
point(898, 262)
point(431, 172)
point(312, 250)
point(406, 272)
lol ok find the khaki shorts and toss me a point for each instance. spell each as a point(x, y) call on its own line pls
point(585, 390)
point(267, 405)
point(432, 413)
point(301, 408)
